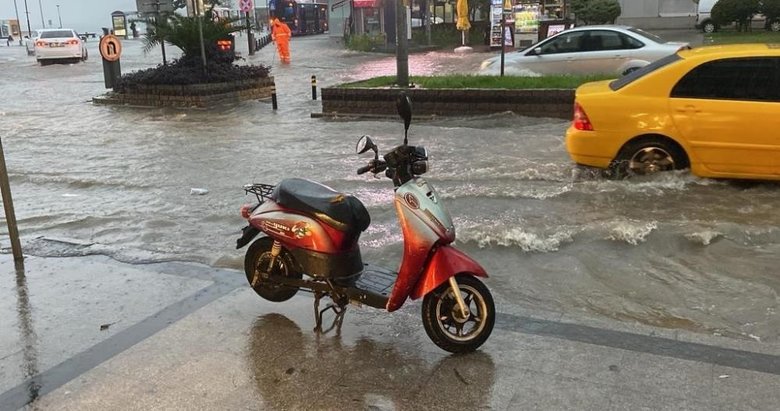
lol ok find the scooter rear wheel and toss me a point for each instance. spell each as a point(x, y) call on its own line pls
point(258, 257)
point(445, 324)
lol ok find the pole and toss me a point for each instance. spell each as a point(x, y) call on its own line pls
point(249, 38)
point(503, 25)
point(27, 12)
point(200, 35)
point(59, 16)
point(43, 23)
point(401, 49)
point(19, 22)
point(313, 87)
point(10, 217)
point(162, 41)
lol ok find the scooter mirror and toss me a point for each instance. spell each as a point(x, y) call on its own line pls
point(404, 106)
point(364, 144)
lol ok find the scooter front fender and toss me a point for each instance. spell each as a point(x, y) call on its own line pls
point(446, 262)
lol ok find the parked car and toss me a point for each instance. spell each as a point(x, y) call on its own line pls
point(713, 109)
point(59, 44)
point(607, 49)
point(706, 24)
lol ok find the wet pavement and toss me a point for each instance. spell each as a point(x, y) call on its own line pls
point(198, 338)
point(654, 293)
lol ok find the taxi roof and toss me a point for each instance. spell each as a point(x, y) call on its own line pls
point(735, 50)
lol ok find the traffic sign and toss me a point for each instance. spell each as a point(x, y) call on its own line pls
point(154, 6)
point(110, 47)
point(245, 5)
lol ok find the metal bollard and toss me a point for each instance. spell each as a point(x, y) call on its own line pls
point(313, 87)
point(273, 97)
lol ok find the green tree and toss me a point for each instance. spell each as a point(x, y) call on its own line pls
point(740, 11)
point(771, 10)
point(183, 32)
point(596, 11)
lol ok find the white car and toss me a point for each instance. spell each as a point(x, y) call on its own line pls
point(607, 49)
point(59, 44)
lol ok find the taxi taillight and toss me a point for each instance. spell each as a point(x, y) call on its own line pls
point(581, 120)
point(72, 42)
point(40, 43)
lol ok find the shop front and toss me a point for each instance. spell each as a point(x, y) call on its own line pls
point(368, 17)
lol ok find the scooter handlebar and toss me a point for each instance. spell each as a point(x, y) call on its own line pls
point(375, 166)
point(365, 169)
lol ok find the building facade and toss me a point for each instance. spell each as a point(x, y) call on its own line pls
point(658, 14)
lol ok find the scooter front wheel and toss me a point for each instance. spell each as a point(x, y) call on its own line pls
point(258, 259)
point(445, 323)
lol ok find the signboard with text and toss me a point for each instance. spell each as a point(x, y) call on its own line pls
point(154, 6)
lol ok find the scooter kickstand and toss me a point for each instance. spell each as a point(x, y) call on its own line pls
point(338, 309)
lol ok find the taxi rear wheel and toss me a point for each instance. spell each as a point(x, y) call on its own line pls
point(648, 156)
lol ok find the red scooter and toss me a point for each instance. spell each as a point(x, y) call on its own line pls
point(311, 237)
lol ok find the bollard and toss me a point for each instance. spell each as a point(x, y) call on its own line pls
point(273, 97)
point(313, 87)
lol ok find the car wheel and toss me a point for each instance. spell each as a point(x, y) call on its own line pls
point(648, 156)
point(709, 27)
point(775, 26)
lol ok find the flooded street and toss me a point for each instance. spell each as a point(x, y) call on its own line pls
point(672, 251)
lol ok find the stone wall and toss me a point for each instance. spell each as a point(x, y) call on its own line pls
point(194, 95)
point(557, 103)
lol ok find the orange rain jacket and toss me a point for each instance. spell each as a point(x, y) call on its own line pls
point(280, 33)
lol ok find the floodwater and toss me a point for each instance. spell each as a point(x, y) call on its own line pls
point(670, 250)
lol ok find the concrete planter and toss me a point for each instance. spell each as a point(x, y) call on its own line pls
point(557, 103)
point(193, 95)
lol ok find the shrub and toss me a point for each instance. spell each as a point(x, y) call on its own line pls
point(740, 11)
point(181, 72)
point(770, 9)
point(365, 42)
point(596, 11)
point(447, 35)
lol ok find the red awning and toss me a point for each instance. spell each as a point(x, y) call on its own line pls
point(366, 3)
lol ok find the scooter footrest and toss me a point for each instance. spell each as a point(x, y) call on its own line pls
point(373, 287)
point(377, 279)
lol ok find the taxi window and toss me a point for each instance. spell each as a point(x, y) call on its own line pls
point(637, 74)
point(748, 79)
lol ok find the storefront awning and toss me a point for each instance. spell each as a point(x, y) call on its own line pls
point(366, 3)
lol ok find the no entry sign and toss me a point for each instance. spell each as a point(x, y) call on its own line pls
point(245, 5)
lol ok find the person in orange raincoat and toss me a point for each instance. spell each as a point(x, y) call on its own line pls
point(280, 33)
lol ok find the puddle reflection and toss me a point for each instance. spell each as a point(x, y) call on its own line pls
point(27, 334)
point(297, 371)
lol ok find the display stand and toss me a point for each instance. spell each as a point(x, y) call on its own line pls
point(497, 11)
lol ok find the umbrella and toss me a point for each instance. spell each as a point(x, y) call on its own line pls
point(463, 15)
point(463, 19)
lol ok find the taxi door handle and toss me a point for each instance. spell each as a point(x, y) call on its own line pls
point(691, 109)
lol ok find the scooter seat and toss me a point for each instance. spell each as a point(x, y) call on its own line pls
point(343, 212)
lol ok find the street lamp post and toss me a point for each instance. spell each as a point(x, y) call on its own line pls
point(43, 23)
point(18, 22)
point(59, 16)
point(27, 12)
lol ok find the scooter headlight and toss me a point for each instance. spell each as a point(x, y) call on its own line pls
point(419, 167)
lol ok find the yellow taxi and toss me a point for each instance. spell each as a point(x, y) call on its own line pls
point(715, 110)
